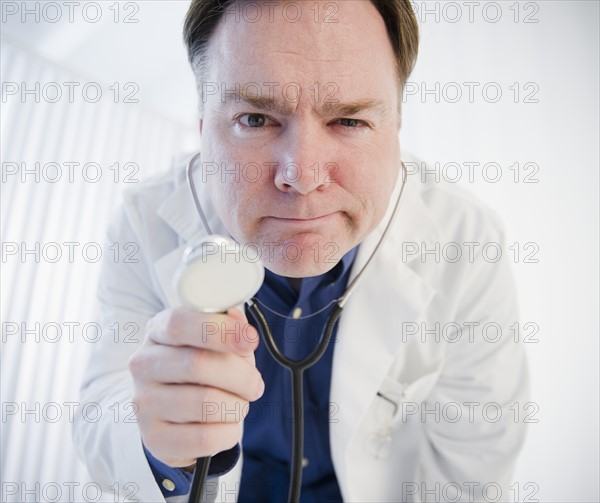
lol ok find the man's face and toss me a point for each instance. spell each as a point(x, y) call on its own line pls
point(301, 118)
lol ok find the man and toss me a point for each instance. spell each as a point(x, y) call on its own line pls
point(300, 160)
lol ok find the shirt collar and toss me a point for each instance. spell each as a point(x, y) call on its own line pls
point(346, 263)
point(331, 277)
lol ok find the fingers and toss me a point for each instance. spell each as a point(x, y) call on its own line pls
point(179, 445)
point(193, 404)
point(186, 365)
point(193, 378)
point(216, 332)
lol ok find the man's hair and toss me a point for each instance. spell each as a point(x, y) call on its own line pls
point(400, 21)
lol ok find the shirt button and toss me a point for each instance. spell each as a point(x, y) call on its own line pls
point(304, 462)
point(297, 313)
point(168, 485)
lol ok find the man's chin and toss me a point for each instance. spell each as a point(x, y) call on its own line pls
point(299, 270)
point(295, 259)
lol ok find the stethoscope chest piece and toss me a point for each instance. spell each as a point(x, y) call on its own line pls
point(216, 274)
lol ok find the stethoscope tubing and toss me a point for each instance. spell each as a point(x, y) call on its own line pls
point(296, 368)
point(199, 480)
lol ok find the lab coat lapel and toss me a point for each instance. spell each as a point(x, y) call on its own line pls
point(369, 337)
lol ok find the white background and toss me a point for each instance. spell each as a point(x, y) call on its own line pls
point(554, 63)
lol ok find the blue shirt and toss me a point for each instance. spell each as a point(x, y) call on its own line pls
point(267, 438)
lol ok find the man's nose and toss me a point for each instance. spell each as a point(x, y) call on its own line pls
point(304, 160)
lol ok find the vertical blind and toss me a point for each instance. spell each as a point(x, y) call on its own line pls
point(65, 161)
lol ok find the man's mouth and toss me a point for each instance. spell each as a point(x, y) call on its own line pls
point(307, 219)
point(302, 224)
point(301, 220)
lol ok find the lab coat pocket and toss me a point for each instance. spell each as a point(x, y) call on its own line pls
point(397, 390)
point(395, 403)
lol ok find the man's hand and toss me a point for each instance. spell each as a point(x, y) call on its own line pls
point(194, 377)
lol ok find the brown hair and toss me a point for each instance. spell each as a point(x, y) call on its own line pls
point(400, 21)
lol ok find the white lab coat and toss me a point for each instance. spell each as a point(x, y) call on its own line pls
point(403, 446)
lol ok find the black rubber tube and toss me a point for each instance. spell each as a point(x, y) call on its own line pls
point(199, 480)
point(297, 369)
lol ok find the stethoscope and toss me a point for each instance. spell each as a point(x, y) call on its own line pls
point(234, 278)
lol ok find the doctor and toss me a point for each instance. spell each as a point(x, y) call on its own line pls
point(300, 114)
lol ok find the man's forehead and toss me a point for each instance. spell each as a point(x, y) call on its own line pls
point(349, 34)
point(349, 60)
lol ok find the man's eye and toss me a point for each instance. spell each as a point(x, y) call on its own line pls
point(352, 123)
point(253, 120)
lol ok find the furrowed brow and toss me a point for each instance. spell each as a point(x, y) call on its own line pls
point(262, 103)
point(333, 108)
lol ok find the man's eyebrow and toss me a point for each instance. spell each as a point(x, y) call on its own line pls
point(333, 107)
point(329, 108)
point(264, 103)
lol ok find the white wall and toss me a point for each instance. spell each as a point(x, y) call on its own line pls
point(557, 58)
point(554, 62)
